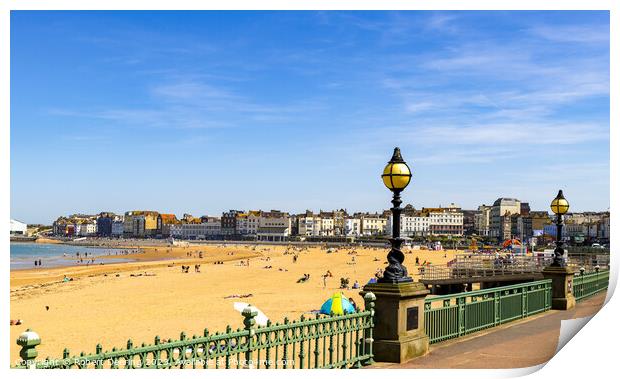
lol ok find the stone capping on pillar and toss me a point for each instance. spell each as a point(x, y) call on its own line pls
point(399, 333)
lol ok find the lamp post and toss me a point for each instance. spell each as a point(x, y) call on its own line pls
point(396, 176)
point(399, 329)
point(559, 206)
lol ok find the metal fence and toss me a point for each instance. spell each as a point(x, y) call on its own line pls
point(588, 261)
point(343, 341)
point(484, 265)
point(456, 315)
point(588, 284)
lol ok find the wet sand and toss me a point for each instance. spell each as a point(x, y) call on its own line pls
point(110, 303)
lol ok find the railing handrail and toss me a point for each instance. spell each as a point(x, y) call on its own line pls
point(486, 291)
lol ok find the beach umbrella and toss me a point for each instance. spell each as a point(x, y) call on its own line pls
point(261, 318)
point(338, 304)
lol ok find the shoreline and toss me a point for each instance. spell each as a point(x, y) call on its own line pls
point(149, 258)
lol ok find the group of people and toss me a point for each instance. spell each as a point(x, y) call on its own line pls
point(185, 269)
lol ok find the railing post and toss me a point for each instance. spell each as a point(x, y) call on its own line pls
point(249, 323)
point(369, 305)
point(460, 301)
point(524, 291)
point(28, 340)
point(497, 296)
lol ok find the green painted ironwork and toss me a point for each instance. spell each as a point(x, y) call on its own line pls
point(588, 284)
point(332, 341)
point(456, 315)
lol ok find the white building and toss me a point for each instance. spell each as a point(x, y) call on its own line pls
point(274, 226)
point(117, 228)
point(18, 228)
point(253, 222)
point(309, 224)
point(446, 221)
point(410, 225)
point(482, 220)
point(209, 227)
point(85, 229)
point(353, 227)
point(327, 226)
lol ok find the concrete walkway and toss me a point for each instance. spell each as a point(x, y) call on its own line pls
point(522, 343)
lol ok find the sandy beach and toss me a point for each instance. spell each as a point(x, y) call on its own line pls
point(110, 303)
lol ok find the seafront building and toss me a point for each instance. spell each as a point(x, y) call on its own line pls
point(274, 225)
point(352, 227)
point(117, 228)
point(506, 218)
point(372, 224)
point(165, 221)
point(446, 221)
point(482, 220)
point(142, 224)
point(18, 228)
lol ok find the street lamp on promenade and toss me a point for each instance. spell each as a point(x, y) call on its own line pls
point(399, 329)
point(396, 176)
point(559, 206)
point(561, 276)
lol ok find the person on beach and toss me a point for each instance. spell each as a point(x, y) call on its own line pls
point(353, 302)
point(39, 262)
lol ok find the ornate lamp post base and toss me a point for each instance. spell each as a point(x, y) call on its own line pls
point(395, 272)
point(399, 333)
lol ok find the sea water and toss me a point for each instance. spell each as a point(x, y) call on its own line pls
point(23, 255)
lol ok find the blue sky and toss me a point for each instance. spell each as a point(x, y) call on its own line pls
point(202, 112)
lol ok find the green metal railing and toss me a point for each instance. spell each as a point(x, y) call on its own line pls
point(456, 315)
point(322, 342)
point(588, 284)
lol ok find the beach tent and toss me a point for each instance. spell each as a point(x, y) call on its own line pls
point(372, 280)
point(261, 318)
point(338, 304)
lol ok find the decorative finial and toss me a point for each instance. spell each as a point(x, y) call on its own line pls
point(396, 157)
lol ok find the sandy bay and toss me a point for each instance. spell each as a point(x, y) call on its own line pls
point(111, 303)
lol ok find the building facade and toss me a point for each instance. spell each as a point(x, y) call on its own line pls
point(500, 223)
point(446, 221)
point(274, 226)
point(482, 220)
point(18, 228)
point(372, 224)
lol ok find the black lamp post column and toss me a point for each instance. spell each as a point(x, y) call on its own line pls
point(395, 272)
point(558, 253)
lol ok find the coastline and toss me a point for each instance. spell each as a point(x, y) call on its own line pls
point(151, 296)
point(149, 257)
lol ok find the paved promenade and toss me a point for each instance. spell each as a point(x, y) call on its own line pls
point(523, 343)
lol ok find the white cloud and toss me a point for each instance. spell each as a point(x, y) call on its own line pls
point(573, 33)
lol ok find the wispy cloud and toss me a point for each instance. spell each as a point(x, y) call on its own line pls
point(573, 33)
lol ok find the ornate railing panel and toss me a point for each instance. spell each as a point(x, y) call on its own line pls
point(588, 284)
point(321, 342)
point(456, 315)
